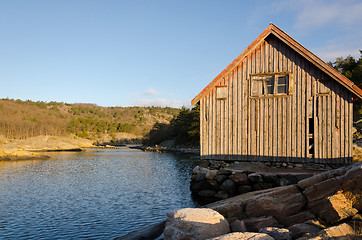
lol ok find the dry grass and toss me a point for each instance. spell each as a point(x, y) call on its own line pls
point(357, 154)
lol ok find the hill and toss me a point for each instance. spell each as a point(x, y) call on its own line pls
point(25, 119)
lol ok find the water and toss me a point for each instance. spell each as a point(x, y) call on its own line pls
point(100, 194)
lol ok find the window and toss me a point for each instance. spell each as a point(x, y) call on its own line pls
point(221, 92)
point(270, 84)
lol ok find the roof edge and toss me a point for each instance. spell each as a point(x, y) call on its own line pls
point(232, 65)
point(329, 70)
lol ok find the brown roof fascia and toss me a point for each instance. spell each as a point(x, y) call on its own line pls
point(232, 65)
point(329, 70)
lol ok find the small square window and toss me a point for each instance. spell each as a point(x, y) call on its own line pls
point(221, 92)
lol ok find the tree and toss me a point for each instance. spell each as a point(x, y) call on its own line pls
point(352, 69)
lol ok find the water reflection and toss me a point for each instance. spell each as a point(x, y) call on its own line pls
point(91, 195)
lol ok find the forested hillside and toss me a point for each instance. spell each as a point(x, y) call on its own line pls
point(23, 119)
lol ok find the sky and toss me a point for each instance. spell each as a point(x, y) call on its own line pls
point(150, 52)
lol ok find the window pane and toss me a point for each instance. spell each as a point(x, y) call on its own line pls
point(282, 80)
point(282, 88)
point(283, 84)
point(270, 84)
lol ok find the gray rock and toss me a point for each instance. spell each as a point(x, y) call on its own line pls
point(211, 174)
point(287, 180)
point(238, 226)
point(223, 171)
point(244, 189)
point(239, 178)
point(199, 177)
point(271, 178)
point(298, 230)
point(221, 194)
point(195, 223)
point(277, 233)
point(255, 224)
point(229, 186)
point(246, 235)
point(255, 177)
point(220, 178)
point(206, 193)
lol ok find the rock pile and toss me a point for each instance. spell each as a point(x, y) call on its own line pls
point(325, 206)
point(214, 182)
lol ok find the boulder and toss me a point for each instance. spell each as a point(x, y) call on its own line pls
point(246, 235)
point(277, 233)
point(199, 177)
point(334, 208)
point(343, 231)
point(220, 178)
point(211, 174)
point(244, 189)
point(195, 223)
point(255, 177)
point(207, 193)
point(223, 171)
point(280, 203)
point(299, 218)
point(239, 178)
point(287, 179)
point(229, 186)
point(203, 185)
point(238, 226)
point(221, 194)
point(298, 230)
point(199, 169)
point(255, 224)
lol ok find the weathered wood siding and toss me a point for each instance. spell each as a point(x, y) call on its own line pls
point(241, 127)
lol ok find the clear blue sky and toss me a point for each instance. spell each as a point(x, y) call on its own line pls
point(126, 53)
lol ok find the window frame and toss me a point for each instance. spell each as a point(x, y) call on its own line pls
point(263, 92)
point(221, 92)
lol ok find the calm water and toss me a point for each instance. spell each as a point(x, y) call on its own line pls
point(91, 195)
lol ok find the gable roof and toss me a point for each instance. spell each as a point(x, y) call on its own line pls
point(272, 29)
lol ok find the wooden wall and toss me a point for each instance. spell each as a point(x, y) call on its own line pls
point(244, 128)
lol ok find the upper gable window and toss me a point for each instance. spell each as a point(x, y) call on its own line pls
point(221, 92)
point(270, 84)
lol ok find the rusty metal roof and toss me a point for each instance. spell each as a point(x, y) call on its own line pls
point(272, 29)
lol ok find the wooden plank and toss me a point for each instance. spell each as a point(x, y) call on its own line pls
point(350, 125)
point(333, 121)
point(256, 69)
point(239, 112)
point(267, 135)
point(275, 104)
point(303, 112)
point(342, 130)
point(202, 127)
point(226, 117)
point(222, 113)
point(299, 108)
point(207, 125)
point(214, 120)
point(315, 113)
point(293, 106)
point(245, 102)
point(329, 127)
point(234, 113)
point(249, 135)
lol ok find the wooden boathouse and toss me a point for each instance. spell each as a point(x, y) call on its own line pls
point(277, 102)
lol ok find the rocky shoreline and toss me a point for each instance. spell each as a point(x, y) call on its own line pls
point(34, 148)
point(327, 205)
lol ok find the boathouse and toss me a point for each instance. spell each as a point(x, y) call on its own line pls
point(277, 102)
